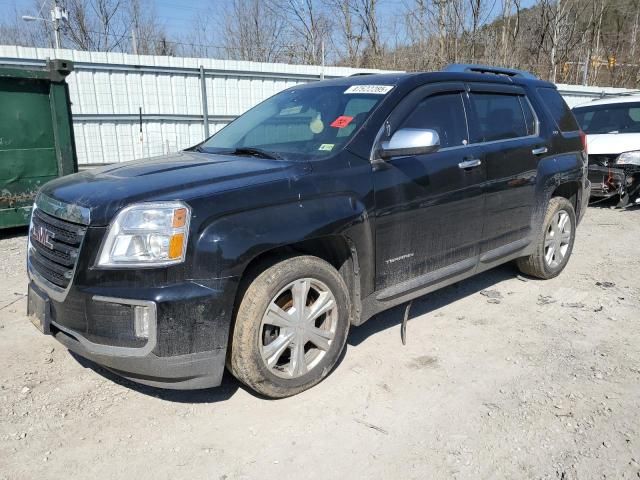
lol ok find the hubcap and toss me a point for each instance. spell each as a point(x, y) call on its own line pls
point(298, 328)
point(557, 239)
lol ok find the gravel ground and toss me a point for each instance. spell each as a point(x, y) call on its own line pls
point(501, 377)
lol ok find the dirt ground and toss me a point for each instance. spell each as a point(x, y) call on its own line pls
point(501, 377)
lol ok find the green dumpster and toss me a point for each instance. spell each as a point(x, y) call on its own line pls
point(36, 135)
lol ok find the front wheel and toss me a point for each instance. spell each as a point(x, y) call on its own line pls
point(291, 327)
point(554, 244)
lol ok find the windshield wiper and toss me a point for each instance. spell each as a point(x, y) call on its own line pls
point(258, 152)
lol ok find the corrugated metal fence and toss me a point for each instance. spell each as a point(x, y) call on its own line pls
point(110, 92)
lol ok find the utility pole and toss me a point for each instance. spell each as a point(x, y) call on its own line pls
point(322, 59)
point(57, 15)
point(134, 42)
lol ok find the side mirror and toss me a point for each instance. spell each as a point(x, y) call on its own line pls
point(410, 141)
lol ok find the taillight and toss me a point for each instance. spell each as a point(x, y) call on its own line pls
point(583, 138)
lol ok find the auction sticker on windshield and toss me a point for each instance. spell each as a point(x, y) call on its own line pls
point(341, 122)
point(376, 89)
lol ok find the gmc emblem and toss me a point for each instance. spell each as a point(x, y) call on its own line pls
point(42, 235)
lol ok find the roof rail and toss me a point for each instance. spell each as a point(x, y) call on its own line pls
point(473, 68)
point(358, 74)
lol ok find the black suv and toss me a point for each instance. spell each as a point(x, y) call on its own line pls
point(320, 207)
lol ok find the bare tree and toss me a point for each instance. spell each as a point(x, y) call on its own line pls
point(350, 31)
point(97, 25)
point(367, 12)
point(148, 36)
point(593, 41)
point(253, 31)
point(308, 24)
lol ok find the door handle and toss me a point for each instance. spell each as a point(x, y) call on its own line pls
point(539, 150)
point(473, 163)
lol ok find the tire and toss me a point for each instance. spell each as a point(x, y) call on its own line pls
point(538, 264)
point(268, 326)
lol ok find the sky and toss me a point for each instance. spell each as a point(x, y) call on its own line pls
point(177, 16)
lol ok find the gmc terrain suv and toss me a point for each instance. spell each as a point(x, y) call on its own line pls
point(320, 207)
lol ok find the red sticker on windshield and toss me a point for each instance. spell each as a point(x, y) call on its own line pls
point(342, 121)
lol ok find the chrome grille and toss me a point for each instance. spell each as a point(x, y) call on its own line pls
point(54, 247)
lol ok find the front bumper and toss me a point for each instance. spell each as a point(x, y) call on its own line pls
point(181, 372)
point(186, 336)
point(610, 181)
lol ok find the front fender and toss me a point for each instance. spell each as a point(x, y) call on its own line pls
point(227, 244)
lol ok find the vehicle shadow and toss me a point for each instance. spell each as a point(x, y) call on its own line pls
point(612, 204)
point(13, 232)
point(431, 302)
point(221, 393)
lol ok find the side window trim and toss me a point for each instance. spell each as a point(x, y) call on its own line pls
point(495, 88)
point(524, 100)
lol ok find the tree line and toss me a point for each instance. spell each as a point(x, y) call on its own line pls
point(591, 42)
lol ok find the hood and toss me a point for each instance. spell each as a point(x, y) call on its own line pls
point(612, 143)
point(178, 176)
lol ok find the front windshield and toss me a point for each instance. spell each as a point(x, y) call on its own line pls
point(303, 123)
point(612, 118)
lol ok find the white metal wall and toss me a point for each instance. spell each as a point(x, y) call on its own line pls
point(109, 89)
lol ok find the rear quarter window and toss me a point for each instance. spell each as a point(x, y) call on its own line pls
point(558, 109)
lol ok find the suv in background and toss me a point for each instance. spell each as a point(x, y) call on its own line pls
point(612, 126)
point(320, 207)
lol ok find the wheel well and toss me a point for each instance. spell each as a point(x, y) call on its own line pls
point(569, 191)
point(333, 249)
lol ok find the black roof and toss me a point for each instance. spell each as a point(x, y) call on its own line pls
point(418, 78)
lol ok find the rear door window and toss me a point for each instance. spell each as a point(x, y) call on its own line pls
point(558, 109)
point(498, 117)
point(443, 113)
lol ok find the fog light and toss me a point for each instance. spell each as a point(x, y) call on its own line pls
point(141, 317)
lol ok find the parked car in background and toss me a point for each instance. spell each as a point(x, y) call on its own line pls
point(320, 207)
point(612, 126)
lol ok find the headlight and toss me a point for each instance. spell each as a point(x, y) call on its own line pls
point(147, 234)
point(629, 158)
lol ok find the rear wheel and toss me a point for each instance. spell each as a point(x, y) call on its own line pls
point(554, 244)
point(291, 327)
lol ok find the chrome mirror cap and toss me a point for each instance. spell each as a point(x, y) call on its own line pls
point(411, 141)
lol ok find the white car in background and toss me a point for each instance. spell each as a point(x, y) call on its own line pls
point(612, 126)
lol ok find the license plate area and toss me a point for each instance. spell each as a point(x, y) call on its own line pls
point(38, 310)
